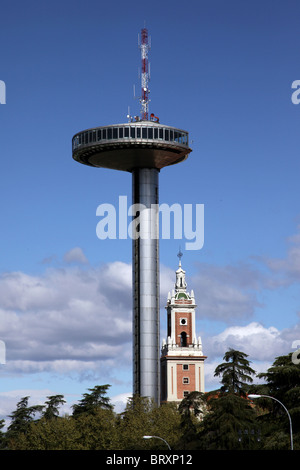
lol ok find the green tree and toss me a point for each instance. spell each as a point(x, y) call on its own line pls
point(135, 422)
point(282, 383)
point(192, 408)
point(20, 420)
point(92, 401)
point(143, 417)
point(230, 413)
point(98, 430)
point(166, 423)
point(51, 410)
point(235, 372)
point(51, 434)
point(230, 416)
point(194, 403)
point(2, 434)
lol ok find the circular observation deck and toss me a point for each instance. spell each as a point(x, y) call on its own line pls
point(140, 144)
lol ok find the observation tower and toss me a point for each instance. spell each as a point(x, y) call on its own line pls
point(142, 147)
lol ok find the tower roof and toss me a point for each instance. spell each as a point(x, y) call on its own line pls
point(180, 284)
point(179, 295)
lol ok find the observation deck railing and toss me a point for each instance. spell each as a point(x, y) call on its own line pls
point(136, 132)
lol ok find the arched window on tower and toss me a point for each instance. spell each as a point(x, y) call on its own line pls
point(183, 340)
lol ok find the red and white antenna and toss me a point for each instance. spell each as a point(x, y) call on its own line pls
point(145, 77)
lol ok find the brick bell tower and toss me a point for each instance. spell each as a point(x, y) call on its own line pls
point(182, 360)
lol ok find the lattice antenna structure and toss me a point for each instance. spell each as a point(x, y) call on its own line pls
point(145, 75)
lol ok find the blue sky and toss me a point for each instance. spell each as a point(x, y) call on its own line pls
point(222, 71)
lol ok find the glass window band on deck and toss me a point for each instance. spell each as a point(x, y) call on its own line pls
point(131, 133)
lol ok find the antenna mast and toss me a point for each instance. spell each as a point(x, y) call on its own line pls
point(145, 75)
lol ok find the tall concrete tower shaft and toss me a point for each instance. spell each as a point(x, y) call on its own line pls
point(143, 148)
point(146, 284)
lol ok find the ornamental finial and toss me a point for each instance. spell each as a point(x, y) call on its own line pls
point(180, 255)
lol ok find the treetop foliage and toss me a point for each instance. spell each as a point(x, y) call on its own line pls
point(235, 372)
point(223, 419)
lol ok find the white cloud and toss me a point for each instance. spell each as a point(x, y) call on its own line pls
point(75, 255)
point(76, 319)
point(67, 319)
point(259, 342)
point(120, 401)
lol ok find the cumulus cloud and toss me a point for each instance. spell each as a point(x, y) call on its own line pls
point(77, 319)
point(67, 319)
point(259, 342)
point(75, 255)
point(119, 402)
point(70, 319)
